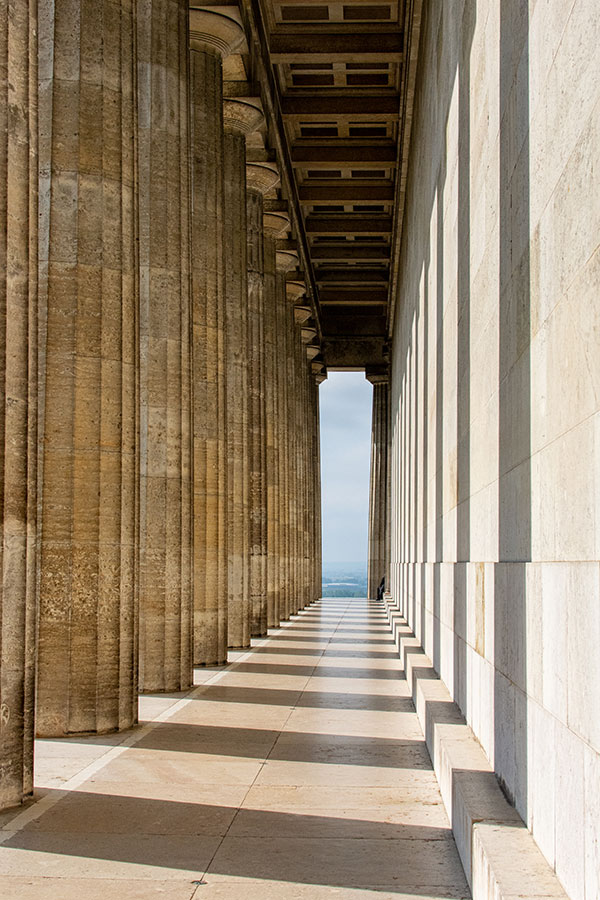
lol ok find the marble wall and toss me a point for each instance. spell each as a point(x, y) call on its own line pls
point(496, 400)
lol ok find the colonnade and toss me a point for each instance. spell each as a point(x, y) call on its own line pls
point(160, 475)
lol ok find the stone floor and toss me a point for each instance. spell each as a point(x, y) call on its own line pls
point(299, 771)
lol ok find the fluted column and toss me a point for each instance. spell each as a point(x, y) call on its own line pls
point(299, 471)
point(304, 475)
point(213, 35)
point(241, 117)
point(286, 260)
point(18, 357)
point(295, 289)
point(165, 363)
point(379, 485)
point(276, 222)
point(319, 377)
point(87, 662)
point(261, 178)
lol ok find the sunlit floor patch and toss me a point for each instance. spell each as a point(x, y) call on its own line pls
point(299, 772)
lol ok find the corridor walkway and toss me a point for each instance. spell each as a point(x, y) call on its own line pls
point(300, 771)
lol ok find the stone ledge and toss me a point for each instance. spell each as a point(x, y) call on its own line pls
point(499, 855)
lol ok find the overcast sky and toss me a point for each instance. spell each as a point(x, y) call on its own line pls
point(345, 399)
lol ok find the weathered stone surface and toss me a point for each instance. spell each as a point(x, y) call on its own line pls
point(261, 178)
point(87, 660)
point(379, 513)
point(241, 117)
point(275, 225)
point(495, 403)
point(164, 348)
point(213, 36)
point(18, 412)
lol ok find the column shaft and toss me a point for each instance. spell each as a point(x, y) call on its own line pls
point(165, 364)
point(208, 365)
point(281, 385)
point(271, 469)
point(87, 664)
point(298, 466)
point(316, 495)
point(286, 394)
point(256, 373)
point(18, 364)
point(379, 490)
point(236, 286)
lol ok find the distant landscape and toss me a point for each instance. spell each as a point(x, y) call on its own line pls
point(344, 579)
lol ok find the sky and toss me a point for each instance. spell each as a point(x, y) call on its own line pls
point(345, 410)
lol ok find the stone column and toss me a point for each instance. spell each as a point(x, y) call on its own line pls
point(295, 291)
point(18, 425)
point(298, 472)
point(213, 36)
point(241, 117)
point(319, 376)
point(87, 662)
point(165, 364)
point(286, 260)
point(276, 222)
point(311, 350)
point(379, 485)
point(261, 178)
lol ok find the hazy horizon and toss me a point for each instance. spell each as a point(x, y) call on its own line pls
point(345, 411)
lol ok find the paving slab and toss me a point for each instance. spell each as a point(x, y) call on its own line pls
point(298, 772)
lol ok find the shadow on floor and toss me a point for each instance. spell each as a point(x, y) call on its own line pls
point(338, 850)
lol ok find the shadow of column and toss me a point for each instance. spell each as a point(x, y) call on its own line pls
point(514, 491)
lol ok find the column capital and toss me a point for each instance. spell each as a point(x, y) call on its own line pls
point(286, 260)
point(302, 314)
point(312, 350)
point(377, 374)
point(261, 177)
point(319, 371)
point(276, 222)
point(242, 115)
point(295, 289)
point(216, 29)
point(308, 333)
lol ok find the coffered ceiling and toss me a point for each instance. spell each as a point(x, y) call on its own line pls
point(341, 77)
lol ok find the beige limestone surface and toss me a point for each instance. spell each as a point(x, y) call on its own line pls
point(208, 360)
point(495, 401)
point(87, 635)
point(299, 772)
point(236, 291)
point(165, 603)
point(18, 415)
